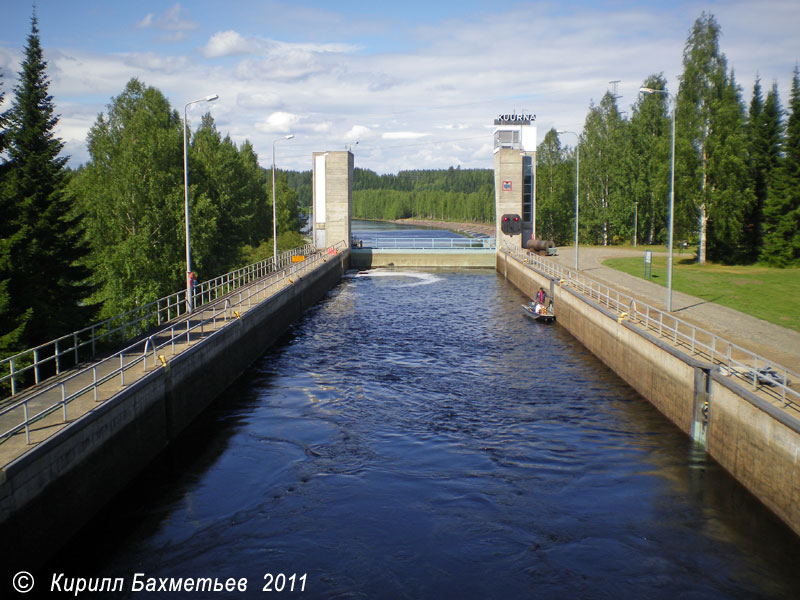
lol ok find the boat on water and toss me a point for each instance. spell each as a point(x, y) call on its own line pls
point(545, 316)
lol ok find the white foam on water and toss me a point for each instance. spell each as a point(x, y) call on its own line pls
point(420, 277)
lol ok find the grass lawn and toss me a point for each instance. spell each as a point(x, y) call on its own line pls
point(764, 292)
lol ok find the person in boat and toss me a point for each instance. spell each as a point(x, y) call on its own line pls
point(540, 299)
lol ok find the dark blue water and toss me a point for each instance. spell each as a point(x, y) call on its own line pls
point(416, 436)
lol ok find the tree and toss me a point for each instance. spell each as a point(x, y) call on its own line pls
point(764, 139)
point(712, 167)
point(781, 229)
point(234, 185)
point(555, 188)
point(42, 247)
point(649, 161)
point(603, 175)
point(132, 193)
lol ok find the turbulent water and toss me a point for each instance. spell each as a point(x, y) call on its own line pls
point(416, 436)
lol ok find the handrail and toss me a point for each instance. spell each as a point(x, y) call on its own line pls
point(83, 344)
point(427, 243)
point(194, 323)
point(758, 372)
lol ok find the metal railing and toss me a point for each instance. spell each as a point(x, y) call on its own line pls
point(733, 360)
point(422, 243)
point(204, 321)
point(83, 345)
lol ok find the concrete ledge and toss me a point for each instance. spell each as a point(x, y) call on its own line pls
point(367, 258)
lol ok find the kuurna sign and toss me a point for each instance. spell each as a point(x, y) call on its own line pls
point(514, 119)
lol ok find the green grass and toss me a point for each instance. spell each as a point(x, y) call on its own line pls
point(764, 292)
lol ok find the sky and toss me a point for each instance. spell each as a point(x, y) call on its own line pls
point(405, 84)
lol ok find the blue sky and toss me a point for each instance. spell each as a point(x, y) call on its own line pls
point(416, 84)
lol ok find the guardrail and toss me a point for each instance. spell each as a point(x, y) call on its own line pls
point(756, 371)
point(462, 243)
point(83, 345)
point(85, 381)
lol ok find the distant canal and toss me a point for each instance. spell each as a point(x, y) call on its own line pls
point(416, 436)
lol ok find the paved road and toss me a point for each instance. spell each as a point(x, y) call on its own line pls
point(776, 343)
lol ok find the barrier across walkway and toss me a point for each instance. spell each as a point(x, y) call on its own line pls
point(759, 373)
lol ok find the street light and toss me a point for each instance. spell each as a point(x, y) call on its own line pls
point(274, 221)
point(189, 291)
point(577, 169)
point(635, 221)
point(646, 90)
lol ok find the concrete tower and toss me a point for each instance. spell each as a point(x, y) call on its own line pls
point(515, 176)
point(332, 189)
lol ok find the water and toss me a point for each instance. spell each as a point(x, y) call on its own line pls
point(416, 436)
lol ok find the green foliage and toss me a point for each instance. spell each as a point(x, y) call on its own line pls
point(555, 190)
point(711, 116)
point(603, 177)
point(287, 209)
point(132, 194)
point(41, 243)
point(781, 226)
point(450, 195)
point(648, 161)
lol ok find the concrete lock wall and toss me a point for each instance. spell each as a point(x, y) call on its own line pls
point(753, 440)
point(49, 493)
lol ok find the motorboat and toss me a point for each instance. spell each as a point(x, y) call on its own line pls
point(545, 315)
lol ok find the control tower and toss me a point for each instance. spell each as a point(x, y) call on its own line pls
point(332, 191)
point(515, 178)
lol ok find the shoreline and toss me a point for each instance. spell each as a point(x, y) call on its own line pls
point(486, 229)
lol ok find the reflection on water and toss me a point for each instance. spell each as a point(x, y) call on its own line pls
point(416, 436)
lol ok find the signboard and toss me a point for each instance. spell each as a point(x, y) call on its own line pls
point(506, 186)
point(514, 119)
point(648, 264)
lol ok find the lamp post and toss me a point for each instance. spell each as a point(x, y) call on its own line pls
point(670, 97)
point(274, 213)
point(635, 221)
point(577, 170)
point(189, 290)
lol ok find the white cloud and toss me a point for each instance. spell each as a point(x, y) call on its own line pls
point(171, 20)
point(278, 122)
point(229, 43)
point(356, 133)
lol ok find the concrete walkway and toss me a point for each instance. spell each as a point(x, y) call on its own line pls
point(773, 342)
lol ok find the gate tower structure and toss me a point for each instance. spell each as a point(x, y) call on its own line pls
point(515, 176)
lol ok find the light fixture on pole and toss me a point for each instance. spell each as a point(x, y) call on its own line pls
point(274, 212)
point(577, 170)
point(635, 221)
point(670, 97)
point(189, 290)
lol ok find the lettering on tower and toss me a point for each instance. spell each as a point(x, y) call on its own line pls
point(515, 119)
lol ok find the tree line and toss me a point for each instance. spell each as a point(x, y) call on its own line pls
point(80, 245)
point(737, 169)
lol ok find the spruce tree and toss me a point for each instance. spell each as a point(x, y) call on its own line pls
point(764, 138)
point(46, 284)
point(781, 227)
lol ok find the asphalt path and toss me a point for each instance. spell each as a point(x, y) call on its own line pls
point(778, 344)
